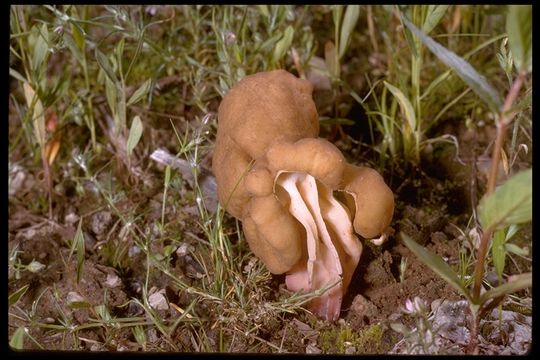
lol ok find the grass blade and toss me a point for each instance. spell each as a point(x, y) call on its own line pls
point(13, 298)
point(463, 69)
point(519, 29)
point(349, 22)
point(511, 203)
point(434, 15)
point(405, 105)
point(437, 264)
point(78, 245)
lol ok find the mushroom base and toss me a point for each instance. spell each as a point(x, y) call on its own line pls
point(331, 252)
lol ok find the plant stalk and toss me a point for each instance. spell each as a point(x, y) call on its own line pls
point(505, 120)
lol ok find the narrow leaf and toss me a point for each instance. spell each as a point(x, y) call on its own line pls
point(78, 36)
point(140, 92)
point(463, 69)
point(38, 117)
point(110, 94)
point(283, 44)
point(436, 264)
point(405, 105)
point(498, 251)
point(331, 59)
point(17, 295)
point(511, 203)
point(69, 41)
point(105, 64)
point(434, 15)
point(349, 22)
point(519, 29)
point(135, 134)
point(78, 245)
point(17, 75)
point(17, 340)
point(514, 249)
point(519, 282)
point(41, 47)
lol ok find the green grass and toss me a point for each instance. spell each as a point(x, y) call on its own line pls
point(97, 68)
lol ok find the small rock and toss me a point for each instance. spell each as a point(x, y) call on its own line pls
point(184, 249)
point(133, 250)
point(73, 297)
point(71, 218)
point(312, 349)
point(350, 350)
point(363, 306)
point(16, 179)
point(100, 222)
point(158, 301)
point(112, 281)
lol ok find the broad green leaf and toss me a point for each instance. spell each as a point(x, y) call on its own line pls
point(463, 69)
point(436, 264)
point(405, 105)
point(140, 92)
point(105, 64)
point(510, 203)
point(135, 134)
point(17, 340)
point(41, 46)
point(434, 15)
point(283, 44)
point(349, 22)
point(498, 251)
point(38, 117)
point(519, 29)
point(519, 282)
point(17, 295)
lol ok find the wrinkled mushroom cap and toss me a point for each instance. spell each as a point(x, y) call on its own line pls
point(259, 110)
point(373, 200)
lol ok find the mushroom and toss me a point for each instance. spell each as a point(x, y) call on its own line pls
point(299, 200)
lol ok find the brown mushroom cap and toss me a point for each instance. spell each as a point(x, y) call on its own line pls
point(374, 201)
point(266, 107)
point(273, 234)
point(314, 156)
point(259, 110)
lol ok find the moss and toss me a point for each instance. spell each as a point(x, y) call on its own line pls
point(371, 340)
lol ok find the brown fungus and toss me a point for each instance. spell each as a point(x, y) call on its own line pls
point(279, 179)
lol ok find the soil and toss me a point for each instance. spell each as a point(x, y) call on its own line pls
point(431, 206)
